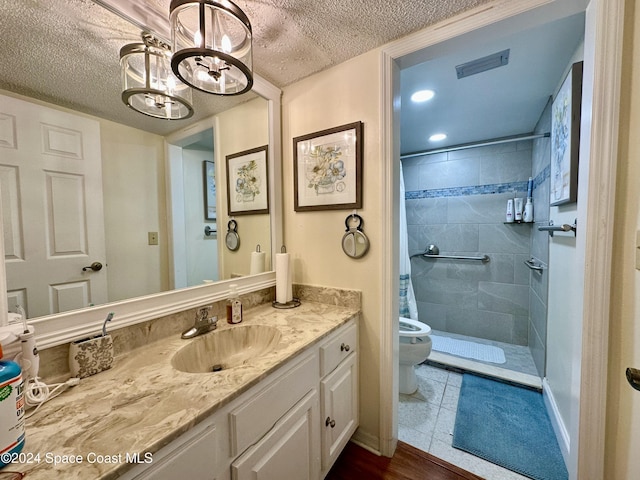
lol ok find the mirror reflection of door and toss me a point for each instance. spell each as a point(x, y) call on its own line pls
point(51, 233)
point(201, 250)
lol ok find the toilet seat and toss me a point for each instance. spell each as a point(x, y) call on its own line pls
point(413, 328)
point(415, 347)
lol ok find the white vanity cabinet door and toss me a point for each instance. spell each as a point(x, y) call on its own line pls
point(253, 418)
point(339, 401)
point(194, 458)
point(289, 450)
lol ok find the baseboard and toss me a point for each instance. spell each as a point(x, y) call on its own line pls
point(367, 441)
point(562, 435)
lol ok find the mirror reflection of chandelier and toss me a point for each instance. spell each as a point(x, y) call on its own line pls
point(148, 84)
point(212, 46)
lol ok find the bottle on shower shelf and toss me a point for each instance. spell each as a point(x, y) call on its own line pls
point(528, 211)
point(528, 208)
point(509, 217)
point(517, 209)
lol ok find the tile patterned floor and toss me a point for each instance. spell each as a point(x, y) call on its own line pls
point(426, 420)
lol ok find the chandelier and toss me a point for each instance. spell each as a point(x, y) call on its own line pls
point(212, 46)
point(148, 84)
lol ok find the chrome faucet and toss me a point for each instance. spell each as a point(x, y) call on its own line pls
point(203, 324)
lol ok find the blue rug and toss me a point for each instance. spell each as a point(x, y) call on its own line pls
point(508, 426)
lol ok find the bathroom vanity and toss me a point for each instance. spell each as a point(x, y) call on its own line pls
point(285, 411)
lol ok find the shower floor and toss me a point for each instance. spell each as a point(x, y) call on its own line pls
point(519, 366)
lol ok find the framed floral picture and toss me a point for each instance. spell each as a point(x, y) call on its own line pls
point(247, 182)
point(565, 138)
point(209, 175)
point(328, 169)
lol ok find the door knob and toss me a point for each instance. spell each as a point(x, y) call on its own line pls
point(95, 266)
point(633, 377)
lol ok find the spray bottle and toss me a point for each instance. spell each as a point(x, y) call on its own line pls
point(12, 405)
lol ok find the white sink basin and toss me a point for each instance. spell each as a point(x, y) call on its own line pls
point(224, 349)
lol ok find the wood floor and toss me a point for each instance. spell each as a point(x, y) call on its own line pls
point(408, 463)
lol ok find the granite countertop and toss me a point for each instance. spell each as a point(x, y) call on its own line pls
point(142, 403)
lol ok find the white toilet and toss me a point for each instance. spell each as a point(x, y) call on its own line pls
point(415, 347)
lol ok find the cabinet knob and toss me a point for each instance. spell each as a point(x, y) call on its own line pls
point(344, 347)
point(329, 423)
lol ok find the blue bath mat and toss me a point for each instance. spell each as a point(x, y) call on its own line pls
point(508, 426)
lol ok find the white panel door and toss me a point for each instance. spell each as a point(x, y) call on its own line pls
point(339, 392)
point(51, 185)
point(288, 451)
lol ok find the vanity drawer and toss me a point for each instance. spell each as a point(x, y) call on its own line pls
point(338, 347)
point(256, 417)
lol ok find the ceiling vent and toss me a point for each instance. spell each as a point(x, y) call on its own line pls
point(483, 64)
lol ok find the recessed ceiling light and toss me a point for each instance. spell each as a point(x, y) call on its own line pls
point(422, 96)
point(437, 137)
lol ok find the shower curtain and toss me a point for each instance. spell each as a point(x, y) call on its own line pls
point(408, 306)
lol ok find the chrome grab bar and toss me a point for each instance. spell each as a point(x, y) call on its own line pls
point(432, 251)
point(533, 266)
point(565, 227)
point(483, 258)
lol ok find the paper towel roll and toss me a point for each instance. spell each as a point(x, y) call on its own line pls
point(290, 283)
point(257, 262)
point(283, 278)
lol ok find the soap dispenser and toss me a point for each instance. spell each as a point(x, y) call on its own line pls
point(234, 305)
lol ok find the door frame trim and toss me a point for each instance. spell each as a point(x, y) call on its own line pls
point(587, 460)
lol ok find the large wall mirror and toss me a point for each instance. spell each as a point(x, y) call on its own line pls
point(143, 199)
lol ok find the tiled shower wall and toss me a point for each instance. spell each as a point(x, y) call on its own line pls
point(457, 201)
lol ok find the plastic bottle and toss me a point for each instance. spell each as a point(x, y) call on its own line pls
point(234, 305)
point(528, 211)
point(509, 216)
point(530, 188)
point(11, 408)
point(517, 209)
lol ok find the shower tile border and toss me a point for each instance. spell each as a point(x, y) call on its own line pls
point(488, 189)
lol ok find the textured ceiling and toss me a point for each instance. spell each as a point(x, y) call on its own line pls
point(67, 51)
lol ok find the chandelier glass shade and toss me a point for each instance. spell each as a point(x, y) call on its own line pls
point(212, 46)
point(148, 84)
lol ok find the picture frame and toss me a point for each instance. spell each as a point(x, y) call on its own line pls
point(328, 169)
point(248, 182)
point(565, 138)
point(209, 180)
